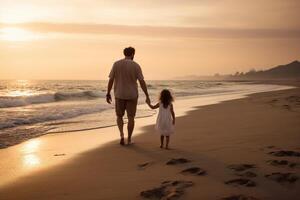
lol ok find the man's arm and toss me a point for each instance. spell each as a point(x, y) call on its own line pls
point(144, 88)
point(109, 87)
point(143, 85)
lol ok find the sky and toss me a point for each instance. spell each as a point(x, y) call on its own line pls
point(80, 39)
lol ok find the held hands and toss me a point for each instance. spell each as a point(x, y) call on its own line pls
point(108, 98)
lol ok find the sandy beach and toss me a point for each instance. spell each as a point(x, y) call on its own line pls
point(149, 100)
point(247, 147)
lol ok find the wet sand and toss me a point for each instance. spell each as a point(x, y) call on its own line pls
point(246, 147)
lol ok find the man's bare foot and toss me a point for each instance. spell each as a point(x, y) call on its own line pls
point(122, 141)
point(129, 141)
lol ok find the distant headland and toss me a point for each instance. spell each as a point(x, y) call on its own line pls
point(281, 72)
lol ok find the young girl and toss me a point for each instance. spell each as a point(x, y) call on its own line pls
point(166, 117)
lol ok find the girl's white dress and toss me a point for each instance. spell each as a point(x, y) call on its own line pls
point(164, 120)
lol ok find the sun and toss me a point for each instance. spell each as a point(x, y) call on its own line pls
point(16, 34)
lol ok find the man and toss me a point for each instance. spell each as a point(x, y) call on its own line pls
point(124, 75)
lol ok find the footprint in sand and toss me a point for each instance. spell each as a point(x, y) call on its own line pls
point(194, 171)
point(271, 147)
point(241, 167)
point(247, 174)
point(241, 182)
point(240, 170)
point(282, 177)
point(144, 165)
point(293, 99)
point(294, 165)
point(283, 153)
point(167, 190)
point(239, 197)
point(283, 163)
point(175, 161)
point(286, 106)
point(274, 101)
point(60, 154)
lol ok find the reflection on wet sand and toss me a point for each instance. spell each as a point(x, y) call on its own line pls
point(30, 157)
point(31, 160)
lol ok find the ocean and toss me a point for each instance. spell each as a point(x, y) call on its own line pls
point(31, 108)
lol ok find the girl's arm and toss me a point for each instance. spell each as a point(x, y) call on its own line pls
point(153, 106)
point(173, 113)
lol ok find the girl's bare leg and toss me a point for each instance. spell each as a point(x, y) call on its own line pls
point(167, 142)
point(161, 141)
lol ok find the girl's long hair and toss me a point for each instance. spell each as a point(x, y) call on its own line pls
point(166, 98)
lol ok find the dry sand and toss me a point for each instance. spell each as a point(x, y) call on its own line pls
point(223, 142)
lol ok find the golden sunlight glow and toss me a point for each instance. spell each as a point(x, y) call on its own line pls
point(31, 146)
point(18, 12)
point(20, 93)
point(31, 160)
point(16, 34)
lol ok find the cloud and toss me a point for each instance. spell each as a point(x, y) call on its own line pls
point(157, 31)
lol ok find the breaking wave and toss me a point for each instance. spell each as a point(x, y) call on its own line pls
point(9, 101)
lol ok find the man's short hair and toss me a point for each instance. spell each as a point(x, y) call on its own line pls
point(129, 51)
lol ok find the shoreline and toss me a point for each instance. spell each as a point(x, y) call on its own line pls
point(148, 143)
point(23, 132)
